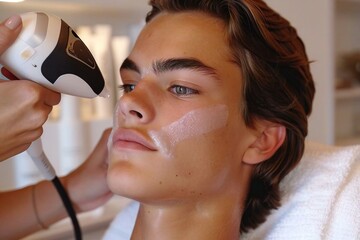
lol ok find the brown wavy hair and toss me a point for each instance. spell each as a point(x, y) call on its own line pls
point(278, 86)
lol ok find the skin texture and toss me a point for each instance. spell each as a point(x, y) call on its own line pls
point(196, 187)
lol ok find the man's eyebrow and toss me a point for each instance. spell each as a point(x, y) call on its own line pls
point(130, 65)
point(172, 64)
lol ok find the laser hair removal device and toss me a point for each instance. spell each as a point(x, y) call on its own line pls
point(49, 52)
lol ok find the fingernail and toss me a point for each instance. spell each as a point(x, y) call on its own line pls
point(13, 22)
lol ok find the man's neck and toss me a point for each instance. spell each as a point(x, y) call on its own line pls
point(210, 219)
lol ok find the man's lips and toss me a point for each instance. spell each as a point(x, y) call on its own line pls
point(131, 139)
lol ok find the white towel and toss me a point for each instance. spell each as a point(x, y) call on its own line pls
point(123, 224)
point(320, 198)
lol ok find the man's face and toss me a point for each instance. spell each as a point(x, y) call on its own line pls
point(178, 129)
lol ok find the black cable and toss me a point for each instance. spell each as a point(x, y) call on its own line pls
point(69, 207)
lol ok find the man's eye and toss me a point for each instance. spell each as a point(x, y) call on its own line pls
point(126, 88)
point(181, 90)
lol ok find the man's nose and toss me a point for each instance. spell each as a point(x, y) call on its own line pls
point(136, 106)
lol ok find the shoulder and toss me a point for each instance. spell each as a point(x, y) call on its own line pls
point(318, 197)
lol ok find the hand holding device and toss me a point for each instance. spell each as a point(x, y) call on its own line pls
point(50, 53)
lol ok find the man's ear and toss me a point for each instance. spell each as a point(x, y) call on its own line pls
point(269, 140)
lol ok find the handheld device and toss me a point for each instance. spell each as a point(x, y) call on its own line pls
point(49, 52)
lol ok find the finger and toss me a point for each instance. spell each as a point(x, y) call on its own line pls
point(104, 138)
point(47, 96)
point(102, 144)
point(29, 136)
point(38, 92)
point(14, 151)
point(9, 30)
point(100, 152)
point(52, 98)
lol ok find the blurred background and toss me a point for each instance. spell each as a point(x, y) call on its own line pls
point(329, 28)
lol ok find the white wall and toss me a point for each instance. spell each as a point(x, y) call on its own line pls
point(314, 20)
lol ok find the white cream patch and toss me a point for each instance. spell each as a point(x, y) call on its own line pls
point(192, 124)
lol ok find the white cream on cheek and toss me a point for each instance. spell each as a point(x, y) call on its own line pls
point(192, 124)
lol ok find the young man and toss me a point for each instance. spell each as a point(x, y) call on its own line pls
point(213, 116)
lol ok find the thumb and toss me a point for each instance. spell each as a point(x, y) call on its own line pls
point(9, 30)
point(100, 152)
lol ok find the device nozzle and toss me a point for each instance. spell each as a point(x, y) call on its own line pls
point(105, 93)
